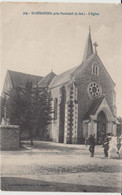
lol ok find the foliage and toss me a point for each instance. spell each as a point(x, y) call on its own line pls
point(30, 107)
point(2, 104)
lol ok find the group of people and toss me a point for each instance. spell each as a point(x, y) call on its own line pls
point(110, 144)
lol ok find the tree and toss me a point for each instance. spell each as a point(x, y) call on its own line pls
point(2, 105)
point(45, 111)
point(17, 108)
point(30, 107)
point(41, 108)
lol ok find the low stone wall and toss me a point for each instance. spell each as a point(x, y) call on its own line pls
point(9, 137)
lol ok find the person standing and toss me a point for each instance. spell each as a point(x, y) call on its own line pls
point(86, 141)
point(92, 145)
point(106, 146)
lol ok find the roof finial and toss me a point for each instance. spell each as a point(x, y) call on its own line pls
point(51, 70)
point(89, 47)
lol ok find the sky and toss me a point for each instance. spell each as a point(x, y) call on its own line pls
point(37, 44)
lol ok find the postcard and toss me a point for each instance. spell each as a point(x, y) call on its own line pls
point(61, 108)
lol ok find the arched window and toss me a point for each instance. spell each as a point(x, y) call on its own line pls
point(95, 69)
point(55, 108)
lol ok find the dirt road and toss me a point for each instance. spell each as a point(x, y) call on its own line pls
point(50, 166)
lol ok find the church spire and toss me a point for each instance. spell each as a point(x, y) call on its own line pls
point(89, 47)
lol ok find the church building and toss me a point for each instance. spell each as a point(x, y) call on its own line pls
point(84, 100)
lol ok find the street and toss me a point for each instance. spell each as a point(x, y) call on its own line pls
point(49, 166)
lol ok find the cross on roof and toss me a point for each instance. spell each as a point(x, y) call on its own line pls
point(95, 45)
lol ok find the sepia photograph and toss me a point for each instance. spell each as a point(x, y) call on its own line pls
point(61, 97)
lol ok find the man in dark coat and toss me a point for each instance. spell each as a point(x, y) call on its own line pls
point(92, 145)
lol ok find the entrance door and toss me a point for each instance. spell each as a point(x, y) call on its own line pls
point(101, 127)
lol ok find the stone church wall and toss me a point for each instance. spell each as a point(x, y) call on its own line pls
point(82, 79)
point(54, 127)
point(84, 100)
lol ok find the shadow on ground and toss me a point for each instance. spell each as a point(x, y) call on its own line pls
point(24, 184)
point(26, 146)
point(48, 146)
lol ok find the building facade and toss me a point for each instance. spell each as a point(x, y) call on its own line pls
point(84, 100)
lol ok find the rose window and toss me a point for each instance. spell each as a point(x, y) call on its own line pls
point(94, 90)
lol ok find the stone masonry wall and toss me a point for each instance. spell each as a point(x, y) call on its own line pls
point(9, 137)
point(53, 129)
point(84, 100)
point(82, 79)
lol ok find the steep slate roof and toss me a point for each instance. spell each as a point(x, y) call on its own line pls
point(62, 78)
point(105, 69)
point(71, 73)
point(65, 77)
point(89, 48)
point(46, 80)
point(92, 110)
point(20, 79)
point(51, 80)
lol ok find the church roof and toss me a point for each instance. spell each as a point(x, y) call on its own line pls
point(89, 48)
point(52, 80)
point(46, 80)
point(67, 75)
point(20, 79)
point(63, 77)
point(93, 108)
point(105, 69)
point(71, 73)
